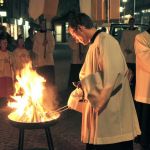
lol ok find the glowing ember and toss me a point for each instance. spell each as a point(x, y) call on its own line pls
point(29, 103)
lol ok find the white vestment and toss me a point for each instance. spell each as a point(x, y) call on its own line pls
point(21, 57)
point(142, 50)
point(103, 71)
point(39, 49)
point(6, 64)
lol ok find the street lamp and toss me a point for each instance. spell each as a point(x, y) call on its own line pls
point(2, 14)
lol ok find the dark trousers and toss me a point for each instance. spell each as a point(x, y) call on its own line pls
point(128, 145)
point(143, 112)
point(48, 72)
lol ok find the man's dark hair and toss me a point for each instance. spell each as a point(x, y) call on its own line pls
point(74, 20)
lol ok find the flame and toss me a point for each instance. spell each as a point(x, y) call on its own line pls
point(29, 105)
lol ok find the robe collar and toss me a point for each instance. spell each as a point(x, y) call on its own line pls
point(94, 36)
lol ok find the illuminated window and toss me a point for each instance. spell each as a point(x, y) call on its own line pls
point(1, 2)
point(58, 29)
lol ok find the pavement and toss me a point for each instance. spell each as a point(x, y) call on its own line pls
point(66, 131)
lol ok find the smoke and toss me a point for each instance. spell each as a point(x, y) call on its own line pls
point(50, 98)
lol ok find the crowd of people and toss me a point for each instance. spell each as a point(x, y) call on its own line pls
point(115, 107)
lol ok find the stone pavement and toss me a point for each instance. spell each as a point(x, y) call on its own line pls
point(65, 133)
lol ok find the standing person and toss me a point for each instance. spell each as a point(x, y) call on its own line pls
point(103, 96)
point(6, 71)
point(142, 92)
point(21, 55)
point(127, 46)
point(43, 48)
point(78, 53)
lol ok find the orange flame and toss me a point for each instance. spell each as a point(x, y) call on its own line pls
point(28, 104)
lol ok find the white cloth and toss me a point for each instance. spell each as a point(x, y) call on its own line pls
point(142, 50)
point(103, 71)
point(46, 7)
point(127, 44)
point(74, 99)
point(85, 7)
point(21, 57)
point(39, 48)
point(6, 64)
point(36, 8)
point(50, 9)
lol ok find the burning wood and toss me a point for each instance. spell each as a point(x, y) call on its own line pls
point(29, 102)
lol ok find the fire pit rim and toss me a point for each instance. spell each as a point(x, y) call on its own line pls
point(33, 125)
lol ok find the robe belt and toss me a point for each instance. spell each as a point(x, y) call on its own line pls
point(113, 93)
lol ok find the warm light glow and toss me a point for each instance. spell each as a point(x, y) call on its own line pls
point(20, 21)
point(121, 9)
point(58, 29)
point(124, 1)
point(29, 105)
point(3, 13)
point(1, 2)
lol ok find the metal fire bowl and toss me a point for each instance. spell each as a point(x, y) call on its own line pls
point(34, 125)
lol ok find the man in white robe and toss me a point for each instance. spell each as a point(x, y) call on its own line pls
point(103, 96)
point(142, 90)
point(43, 49)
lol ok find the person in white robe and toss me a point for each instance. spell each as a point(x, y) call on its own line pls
point(103, 96)
point(142, 90)
point(43, 49)
point(127, 47)
point(78, 53)
point(6, 71)
point(21, 56)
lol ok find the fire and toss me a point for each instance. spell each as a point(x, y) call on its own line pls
point(29, 98)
